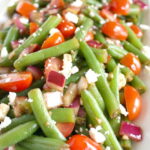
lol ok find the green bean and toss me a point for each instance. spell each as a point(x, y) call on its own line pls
point(132, 38)
point(94, 91)
point(12, 35)
point(75, 77)
point(134, 10)
point(110, 66)
point(41, 55)
point(41, 114)
point(36, 84)
point(2, 35)
point(126, 144)
point(96, 115)
point(131, 48)
point(110, 101)
point(18, 121)
point(116, 52)
point(17, 134)
point(93, 2)
point(11, 9)
point(138, 84)
point(63, 115)
point(100, 37)
point(42, 143)
point(84, 28)
point(36, 38)
point(17, 147)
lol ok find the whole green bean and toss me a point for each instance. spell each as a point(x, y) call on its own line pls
point(138, 84)
point(100, 37)
point(17, 134)
point(110, 101)
point(96, 115)
point(36, 38)
point(131, 48)
point(42, 116)
point(18, 147)
point(94, 91)
point(12, 35)
point(41, 55)
point(126, 144)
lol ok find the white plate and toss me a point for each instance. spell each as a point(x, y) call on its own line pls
point(144, 119)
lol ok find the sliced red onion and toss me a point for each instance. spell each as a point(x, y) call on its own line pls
point(36, 72)
point(4, 70)
point(75, 105)
point(131, 130)
point(30, 49)
point(141, 4)
point(94, 44)
point(81, 112)
point(15, 44)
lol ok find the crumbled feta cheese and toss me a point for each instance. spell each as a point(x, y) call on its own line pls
point(129, 24)
point(53, 99)
point(107, 148)
point(122, 81)
point(53, 31)
point(30, 100)
point(92, 14)
point(98, 128)
point(11, 148)
point(4, 108)
point(34, 34)
point(72, 17)
point(77, 3)
point(91, 76)
point(121, 66)
point(123, 110)
point(36, 5)
point(125, 137)
point(74, 69)
point(40, 29)
point(12, 97)
point(5, 123)
point(97, 136)
point(4, 52)
point(24, 20)
point(146, 51)
point(144, 27)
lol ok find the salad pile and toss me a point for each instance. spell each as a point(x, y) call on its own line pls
point(69, 75)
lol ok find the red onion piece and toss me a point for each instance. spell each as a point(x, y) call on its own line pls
point(141, 4)
point(4, 70)
point(36, 72)
point(94, 44)
point(131, 130)
point(81, 112)
point(15, 44)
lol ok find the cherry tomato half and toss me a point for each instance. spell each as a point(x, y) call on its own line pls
point(107, 14)
point(67, 28)
point(82, 142)
point(33, 27)
point(89, 36)
point(15, 82)
point(57, 3)
point(53, 40)
point(120, 7)
point(137, 31)
point(131, 61)
point(133, 102)
point(115, 30)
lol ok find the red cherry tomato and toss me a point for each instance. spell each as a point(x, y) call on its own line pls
point(82, 142)
point(57, 3)
point(55, 39)
point(133, 102)
point(132, 62)
point(33, 27)
point(15, 82)
point(54, 64)
point(89, 36)
point(106, 14)
point(137, 31)
point(120, 7)
point(65, 128)
point(67, 28)
point(115, 30)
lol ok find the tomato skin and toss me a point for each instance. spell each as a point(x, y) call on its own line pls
point(15, 82)
point(67, 28)
point(65, 128)
point(57, 3)
point(89, 36)
point(82, 142)
point(137, 31)
point(33, 27)
point(115, 30)
point(106, 14)
point(55, 39)
point(133, 102)
point(120, 7)
point(132, 62)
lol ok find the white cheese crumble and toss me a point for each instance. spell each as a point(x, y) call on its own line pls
point(146, 51)
point(34, 34)
point(30, 100)
point(53, 99)
point(74, 69)
point(123, 110)
point(5, 123)
point(144, 27)
point(97, 136)
point(122, 81)
point(53, 31)
point(36, 5)
point(24, 20)
point(4, 52)
point(77, 3)
point(72, 17)
point(4, 108)
point(129, 24)
point(107, 148)
point(12, 97)
point(91, 76)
